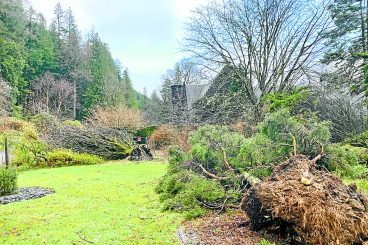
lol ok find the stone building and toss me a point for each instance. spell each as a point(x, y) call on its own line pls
point(183, 98)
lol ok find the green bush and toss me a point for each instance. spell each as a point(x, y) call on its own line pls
point(359, 140)
point(59, 158)
point(25, 146)
point(308, 130)
point(44, 122)
point(201, 178)
point(256, 154)
point(183, 189)
point(73, 123)
point(265, 242)
point(348, 161)
point(146, 131)
point(208, 143)
point(8, 181)
point(187, 192)
point(282, 100)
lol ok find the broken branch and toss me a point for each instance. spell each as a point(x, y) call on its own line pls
point(227, 164)
point(210, 174)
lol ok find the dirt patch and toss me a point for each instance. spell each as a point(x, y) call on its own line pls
point(221, 229)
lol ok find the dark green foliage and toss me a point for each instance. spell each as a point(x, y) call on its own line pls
point(208, 144)
point(60, 158)
point(29, 49)
point(360, 140)
point(146, 131)
point(184, 190)
point(277, 101)
point(12, 50)
point(257, 153)
point(44, 122)
point(348, 161)
point(309, 132)
point(129, 93)
point(8, 181)
point(224, 162)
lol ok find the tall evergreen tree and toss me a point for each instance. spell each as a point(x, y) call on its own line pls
point(130, 99)
point(12, 50)
point(346, 41)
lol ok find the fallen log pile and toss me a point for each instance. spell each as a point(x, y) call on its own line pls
point(307, 205)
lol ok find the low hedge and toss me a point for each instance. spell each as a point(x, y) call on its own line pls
point(61, 157)
point(8, 181)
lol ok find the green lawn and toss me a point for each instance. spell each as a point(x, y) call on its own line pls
point(114, 203)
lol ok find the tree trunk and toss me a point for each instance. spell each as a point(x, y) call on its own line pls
point(75, 100)
point(6, 152)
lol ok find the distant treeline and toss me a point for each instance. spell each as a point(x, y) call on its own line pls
point(50, 68)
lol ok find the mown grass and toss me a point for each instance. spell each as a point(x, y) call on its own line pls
point(114, 203)
point(362, 184)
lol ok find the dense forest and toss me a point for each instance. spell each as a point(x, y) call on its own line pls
point(52, 69)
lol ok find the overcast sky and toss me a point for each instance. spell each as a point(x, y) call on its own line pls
point(142, 34)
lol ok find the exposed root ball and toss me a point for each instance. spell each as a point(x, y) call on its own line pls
point(308, 205)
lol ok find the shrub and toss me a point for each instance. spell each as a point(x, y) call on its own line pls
point(348, 161)
point(220, 163)
point(12, 124)
point(282, 100)
point(209, 143)
point(257, 153)
point(73, 123)
point(117, 117)
point(183, 189)
point(44, 122)
point(360, 140)
point(168, 135)
point(25, 146)
point(8, 181)
point(188, 192)
point(61, 157)
point(308, 131)
point(163, 136)
point(265, 242)
point(146, 131)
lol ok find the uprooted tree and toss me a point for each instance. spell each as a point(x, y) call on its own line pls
point(308, 205)
point(221, 164)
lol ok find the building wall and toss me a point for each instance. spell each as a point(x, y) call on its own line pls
point(179, 104)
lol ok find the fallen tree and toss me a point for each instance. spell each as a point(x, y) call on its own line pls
point(308, 205)
point(110, 144)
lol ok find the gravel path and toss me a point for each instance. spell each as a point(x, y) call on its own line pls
point(187, 238)
point(26, 193)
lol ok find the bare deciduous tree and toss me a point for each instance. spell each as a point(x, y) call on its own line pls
point(63, 92)
point(51, 95)
point(270, 44)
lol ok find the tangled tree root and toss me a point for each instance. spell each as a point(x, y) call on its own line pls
point(307, 205)
point(141, 153)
